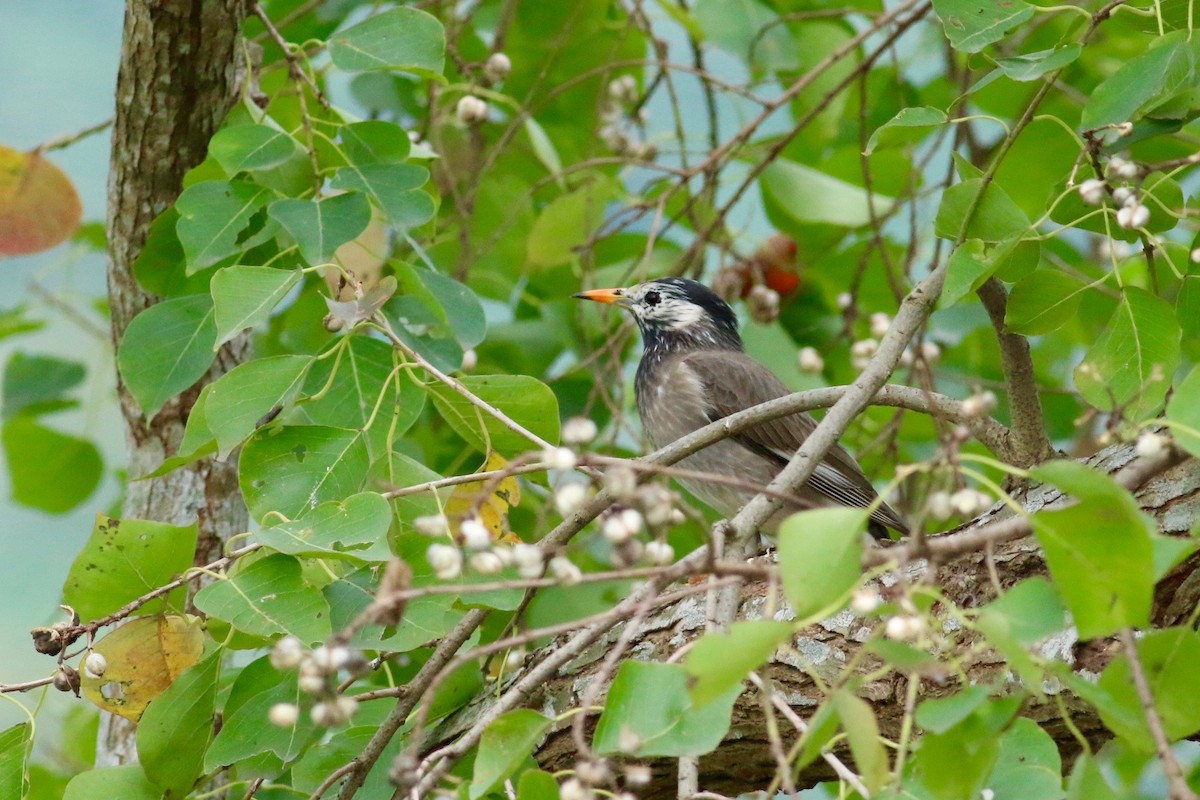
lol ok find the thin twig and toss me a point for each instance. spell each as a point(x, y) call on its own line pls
point(1177, 783)
point(297, 72)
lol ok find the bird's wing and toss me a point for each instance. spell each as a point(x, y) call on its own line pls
point(734, 381)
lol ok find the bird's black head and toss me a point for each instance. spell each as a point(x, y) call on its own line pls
point(676, 313)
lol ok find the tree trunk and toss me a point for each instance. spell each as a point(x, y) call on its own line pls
point(744, 762)
point(177, 81)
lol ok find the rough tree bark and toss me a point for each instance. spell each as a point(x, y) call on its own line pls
point(744, 762)
point(177, 80)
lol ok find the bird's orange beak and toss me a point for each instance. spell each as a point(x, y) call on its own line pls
point(601, 295)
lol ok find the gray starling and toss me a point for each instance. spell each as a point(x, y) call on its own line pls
point(694, 371)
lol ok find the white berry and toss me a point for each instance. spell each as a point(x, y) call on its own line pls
point(471, 109)
point(579, 430)
point(432, 525)
point(559, 458)
point(880, 323)
point(284, 715)
point(446, 560)
point(660, 553)
point(565, 570)
point(1092, 191)
point(569, 498)
point(497, 67)
point(528, 560)
point(486, 562)
point(810, 361)
point(1150, 444)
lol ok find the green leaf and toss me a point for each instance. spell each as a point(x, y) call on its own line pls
point(1043, 302)
point(972, 25)
point(719, 661)
point(366, 377)
point(290, 469)
point(1028, 766)
point(566, 223)
point(1130, 366)
point(1031, 66)
point(537, 785)
point(1099, 551)
point(862, 729)
point(14, 757)
point(958, 762)
point(36, 384)
point(808, 195)
point(1187, 307)
point(943, 713)
point(1141, 81)
point(268, 597)
point(749, 30)
point(898, 129)
point(995, 219)
point(426, 619)
point(198, 441)
point(245, 296)
point(1169, 658)
point(374, 141)
point(176, 727)
point(967, 269)
point(241, 148)
point(463, 310)
point(544, 149)
point(1028, 612)
point(122, 560)
point(525, 400)
point(669, 726)
point(216, 218)
point(506, 743)
point(320, 227)
point(1087, 782)
point(354, 528)
point(820, 558)
point(49, 470)
point(399, 39)
point(1183, 412)
point(166, 349)
point(395, 188)
point(246, 732)
point(237, 402)
point(161, 267)
point(128, 783)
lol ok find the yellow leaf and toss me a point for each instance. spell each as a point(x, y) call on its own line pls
point(144, 656)
point(492, 508)
point(39, 207)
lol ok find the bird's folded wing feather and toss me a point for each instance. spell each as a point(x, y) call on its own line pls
point(735, 381)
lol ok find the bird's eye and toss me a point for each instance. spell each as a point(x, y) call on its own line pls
point(651, 298)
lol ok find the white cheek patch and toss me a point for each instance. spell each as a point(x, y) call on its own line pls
point(678, 316)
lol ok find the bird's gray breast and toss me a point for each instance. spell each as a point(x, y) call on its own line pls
point(672, 402)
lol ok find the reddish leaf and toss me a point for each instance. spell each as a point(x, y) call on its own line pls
point(39, 207)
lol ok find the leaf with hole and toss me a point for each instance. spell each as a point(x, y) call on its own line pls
point(217, 219)
point(125, 559)
point(238, 401)
point(291, 469)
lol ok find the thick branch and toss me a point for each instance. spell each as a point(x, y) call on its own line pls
point(1027, 442)
point(744, 761)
